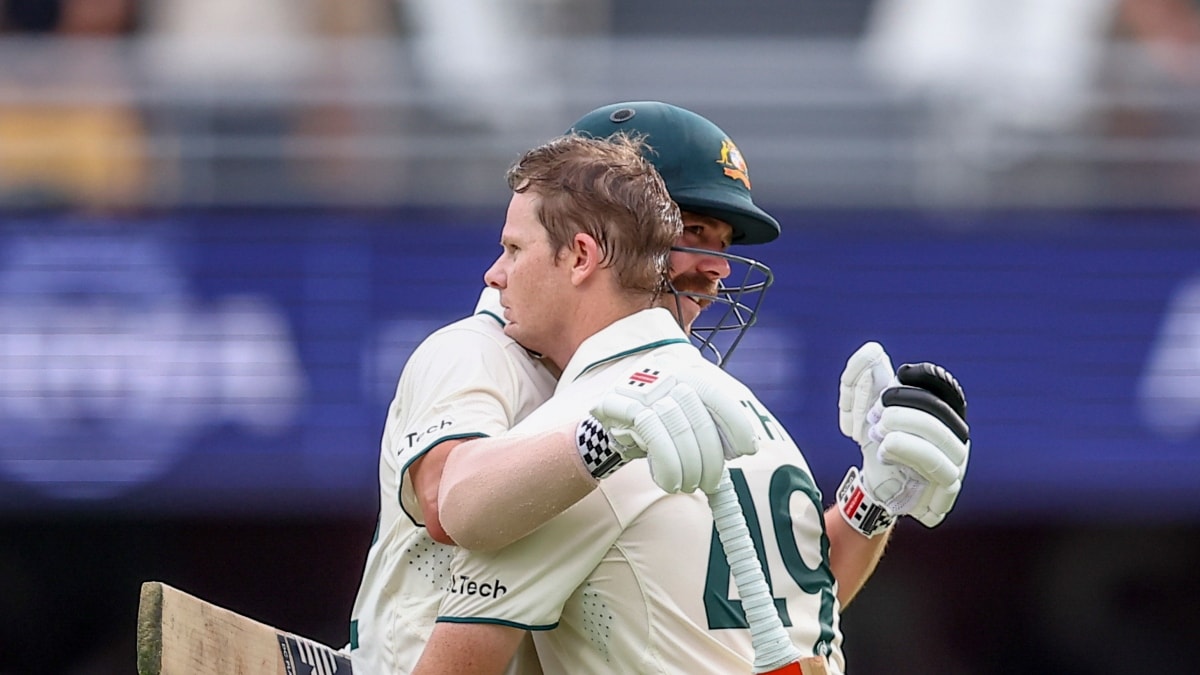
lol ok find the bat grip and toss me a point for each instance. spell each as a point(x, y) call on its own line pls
point(772, 647)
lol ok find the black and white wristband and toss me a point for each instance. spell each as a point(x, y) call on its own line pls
point(594, 447)
point(858, 509)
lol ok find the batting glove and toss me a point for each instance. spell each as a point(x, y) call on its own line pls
point(915, 443)
point(686, 419)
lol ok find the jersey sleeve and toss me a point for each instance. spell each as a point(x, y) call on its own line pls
point(527, 583)
point(458, 384)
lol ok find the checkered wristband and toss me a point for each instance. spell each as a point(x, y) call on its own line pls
point(858, 508)
point(594, 447)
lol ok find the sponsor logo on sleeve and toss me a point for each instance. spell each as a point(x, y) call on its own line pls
point(465, 585)
point(414, 439)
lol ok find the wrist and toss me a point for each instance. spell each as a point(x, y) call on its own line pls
point(596, 449)
point(859, 509)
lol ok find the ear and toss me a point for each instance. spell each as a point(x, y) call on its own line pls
point(583, 257)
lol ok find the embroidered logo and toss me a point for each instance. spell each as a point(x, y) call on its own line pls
point(734, 163)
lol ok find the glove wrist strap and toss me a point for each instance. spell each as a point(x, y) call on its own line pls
point(859, 509)
point(595, 448)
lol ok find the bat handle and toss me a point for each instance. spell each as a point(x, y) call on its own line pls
point(773, 649)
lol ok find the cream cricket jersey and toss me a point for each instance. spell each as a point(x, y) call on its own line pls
point(633, 580)
point(465, 380)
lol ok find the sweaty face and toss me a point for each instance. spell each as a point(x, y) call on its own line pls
point(696, 272)
point(529, 281)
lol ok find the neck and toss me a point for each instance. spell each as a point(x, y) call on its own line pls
point(591, 318)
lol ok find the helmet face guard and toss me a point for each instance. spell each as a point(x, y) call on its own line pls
point(731, 310)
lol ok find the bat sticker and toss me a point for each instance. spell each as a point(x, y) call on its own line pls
point(302, 657)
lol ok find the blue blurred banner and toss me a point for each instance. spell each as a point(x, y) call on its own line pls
point(243, 362)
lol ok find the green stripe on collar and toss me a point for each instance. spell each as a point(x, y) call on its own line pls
point(491, 314)
point(635, 350)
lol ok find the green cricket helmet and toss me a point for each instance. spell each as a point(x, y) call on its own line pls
point(705, 174)
point(702, 167)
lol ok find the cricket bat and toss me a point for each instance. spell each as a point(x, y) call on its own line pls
point(179, 634)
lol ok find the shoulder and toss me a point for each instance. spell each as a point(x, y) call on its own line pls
point(480, 335)
point(473, 349)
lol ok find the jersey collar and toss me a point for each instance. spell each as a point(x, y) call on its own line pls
point(634, 334)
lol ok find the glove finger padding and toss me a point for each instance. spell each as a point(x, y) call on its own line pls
point(658, 445)
point(937, 381)
point(702, 455)
point(928, 402)
point(918, 441)
point(678, 460)
point(724, 402)
point(867, 373)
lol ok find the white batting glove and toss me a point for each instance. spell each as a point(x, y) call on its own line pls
point(915, 446)
point(686, 419)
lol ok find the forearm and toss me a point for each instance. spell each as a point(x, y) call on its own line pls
point(496, 490)
point(852, 555)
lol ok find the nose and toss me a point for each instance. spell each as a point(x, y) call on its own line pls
point(715, 267)
point(494, 277)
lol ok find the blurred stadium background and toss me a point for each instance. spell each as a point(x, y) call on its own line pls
point(225, 224)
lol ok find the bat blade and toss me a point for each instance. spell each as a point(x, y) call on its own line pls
point(180, 634)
